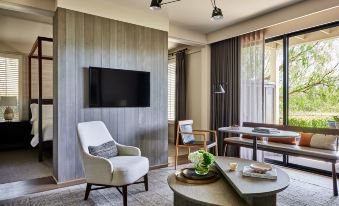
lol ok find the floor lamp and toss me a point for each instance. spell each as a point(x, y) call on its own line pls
point(218, 89)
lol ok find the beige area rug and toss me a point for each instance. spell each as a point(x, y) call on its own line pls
point(18, 165)
point(306, 189)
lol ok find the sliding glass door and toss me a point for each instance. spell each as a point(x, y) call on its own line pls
point(302, 83)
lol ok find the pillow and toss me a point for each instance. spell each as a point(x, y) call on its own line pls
point(322, 141)
point(187, 138)
point(47, 112)
point(106, 150)
point(246, 136)
point(305, 139)
point(286, 140)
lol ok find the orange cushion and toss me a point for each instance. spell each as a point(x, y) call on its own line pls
point(246, 136)
point(305, 139)
point(288, 140)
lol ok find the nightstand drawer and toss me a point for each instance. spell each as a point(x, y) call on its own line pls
point(15, 134)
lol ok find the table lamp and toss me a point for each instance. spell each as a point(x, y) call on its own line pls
point(8, 101)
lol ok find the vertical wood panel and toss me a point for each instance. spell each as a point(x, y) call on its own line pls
point(85, 40)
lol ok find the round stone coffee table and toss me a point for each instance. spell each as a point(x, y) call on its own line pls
point(217, 193)
point(231, 189)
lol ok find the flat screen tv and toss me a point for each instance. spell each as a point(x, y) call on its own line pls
point(118, 88)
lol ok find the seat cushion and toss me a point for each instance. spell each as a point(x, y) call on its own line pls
point(128, 169)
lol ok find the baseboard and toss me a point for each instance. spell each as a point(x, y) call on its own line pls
point(154, 167)
point(70, 182)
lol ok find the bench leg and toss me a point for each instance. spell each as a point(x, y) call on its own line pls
point(334, 176)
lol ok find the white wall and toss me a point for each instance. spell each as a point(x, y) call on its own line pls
point(302, 9)
point(112, 10)
point(41, 4)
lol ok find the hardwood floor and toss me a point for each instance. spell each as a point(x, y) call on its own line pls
point(20, 188)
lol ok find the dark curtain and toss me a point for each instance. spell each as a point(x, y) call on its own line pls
point(180, 90)
point(225, 69)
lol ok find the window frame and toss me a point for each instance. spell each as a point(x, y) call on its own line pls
point(285, 38)
point(19, 57)
point(171, 60)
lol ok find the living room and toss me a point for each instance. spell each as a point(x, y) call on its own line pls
point(240, 84)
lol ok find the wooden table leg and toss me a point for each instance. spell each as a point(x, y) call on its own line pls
point(255, 147)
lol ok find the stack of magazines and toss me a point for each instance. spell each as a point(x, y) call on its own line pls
point(247, 171)
point(265, 130)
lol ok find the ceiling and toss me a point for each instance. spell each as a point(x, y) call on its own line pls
point(19, 35)
point(195, 14)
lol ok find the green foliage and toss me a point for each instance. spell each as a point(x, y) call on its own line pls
point(318, 123)
point(314, 77)
point(208, 157)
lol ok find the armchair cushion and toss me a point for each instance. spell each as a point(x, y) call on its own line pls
point(128, 169)
point(187, 138)
point(106, 150)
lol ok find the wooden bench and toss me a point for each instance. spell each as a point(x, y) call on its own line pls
point(292, 150)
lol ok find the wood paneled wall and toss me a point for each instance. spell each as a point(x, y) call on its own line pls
point(83, 40)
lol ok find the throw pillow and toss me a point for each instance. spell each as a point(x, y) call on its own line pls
point(287, 140)
point(187, 138)
point(322, 141)
point(305, 139)
point(246, 136)
point(106, 150)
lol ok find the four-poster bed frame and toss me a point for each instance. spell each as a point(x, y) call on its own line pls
point(40, 101)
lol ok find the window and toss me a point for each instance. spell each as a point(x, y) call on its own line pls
point(171, 90)
point(306, 86)
point(9, 81)
point(302, 69)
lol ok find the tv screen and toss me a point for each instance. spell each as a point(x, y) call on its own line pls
point(118, 88)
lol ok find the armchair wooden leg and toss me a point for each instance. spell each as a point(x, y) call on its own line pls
point(334, 176)
point(176, 158)
point(224, 152)
point(88, 189)
point(216, 150)
point(146, 182)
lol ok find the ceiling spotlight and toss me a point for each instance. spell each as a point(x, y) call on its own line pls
point(216, 13)
point(156, 4)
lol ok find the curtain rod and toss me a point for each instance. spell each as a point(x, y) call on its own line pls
point(182, 50)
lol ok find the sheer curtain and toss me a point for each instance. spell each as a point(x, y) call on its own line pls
point(251, 82)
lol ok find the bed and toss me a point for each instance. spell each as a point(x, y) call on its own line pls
point(40, 108)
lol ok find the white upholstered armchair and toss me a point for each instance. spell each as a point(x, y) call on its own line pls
point(119, 171)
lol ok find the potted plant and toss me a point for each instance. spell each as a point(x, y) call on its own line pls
point(335, 123)
point(202, 161)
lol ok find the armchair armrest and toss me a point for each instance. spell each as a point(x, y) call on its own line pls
point(207, 131)
point(125, 150)
point(97, 169)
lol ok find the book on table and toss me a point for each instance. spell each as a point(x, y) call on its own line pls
point(247, 171)
point(265, 130)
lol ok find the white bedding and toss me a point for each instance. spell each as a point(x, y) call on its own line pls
point(47, 123)
point(47, 135)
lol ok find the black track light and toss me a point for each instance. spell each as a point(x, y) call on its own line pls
point(155, 5)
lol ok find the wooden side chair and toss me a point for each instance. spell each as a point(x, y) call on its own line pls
point(187, 133)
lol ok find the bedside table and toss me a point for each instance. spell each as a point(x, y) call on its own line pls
point(15, 134)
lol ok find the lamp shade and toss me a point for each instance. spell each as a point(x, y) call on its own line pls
point(8, 100)
point(219, 89)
